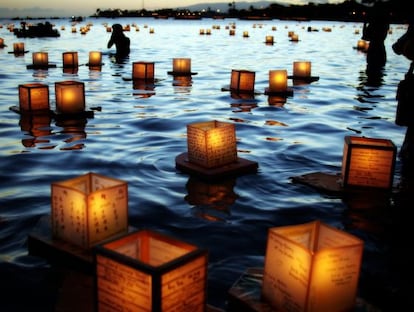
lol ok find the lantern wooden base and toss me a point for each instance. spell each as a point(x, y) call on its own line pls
point(98, 65)
point(18, 53)
point(239, 92)
point(56, 115)
point(288, 92)
point(240, 167)
point(17, 110)
point(329, 183)
point(245, 295)
point(304, 79)
point(31, 66)
point(174, 73)
point(41, 243)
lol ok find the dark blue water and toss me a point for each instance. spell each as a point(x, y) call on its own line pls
point(135, 136)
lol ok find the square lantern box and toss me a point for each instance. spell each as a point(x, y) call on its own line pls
point(312, 267)
point(34, 97)
point(181, 67)
point(302, 73)
point(95, 59)
point(40, 59)
point(278, 83)
point(143, 70)
point(70, 59)
point(149, 271)
point(18, 48)
point(89, 209)
point(242, 81)
point(211, 143)
point(70, 97)
point(368, 162)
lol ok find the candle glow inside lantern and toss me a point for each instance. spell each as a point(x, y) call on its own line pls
point(182, 65)
point(18, 47)
point(70, 97)
point(269, 39)
point(302, 69)
point(368, 162)
point(362, 45)
point(89, 209)
point(2, 43)
point(242, 81)
point(278, 80)
point(95, 59)
point(143, 70)
point(40, 59)
point(211, 143)
point(70, 59)
point(150, 271)
point(312, 267)
point(34, 97)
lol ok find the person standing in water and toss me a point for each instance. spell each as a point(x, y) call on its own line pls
point(121, 42)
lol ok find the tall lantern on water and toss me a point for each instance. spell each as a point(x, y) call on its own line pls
point(18, 48)
point(368, 162)
point(150, 271)
point(312, 267)
point(70, 59)
point(182, 66)
point(277, 80)
point(34, 97)
point(95, 59)
point(143, 70)
point(40, 59)
point(302, 69)
point(211, 143)
point(70, 97)
point(242, 81)
point(89, 209)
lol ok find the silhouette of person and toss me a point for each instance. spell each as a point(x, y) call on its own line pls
point(121, 42)
point(405, 97)
point(375, 30)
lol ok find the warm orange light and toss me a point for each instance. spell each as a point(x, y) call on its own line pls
point(278, 80)
point(1, 42)
point(245, 34)
point(18, 47)
point(302, 69)
point(70, 97)
point(242, 80)
point(368, 162)
point(40, 58)
point(182, 65)
point(143, 70)
point(312, 267)
point(34, 97)
point(269, 39)
point(294, 37)
point(149, 271)
point(211, 143)
point(95, 58)
point(70, 59)
point(89, 209)
point(362, 45)
point(232, 32)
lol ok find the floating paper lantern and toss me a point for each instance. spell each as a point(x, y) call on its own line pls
point(34, 97)
point(245, 34)
point(311, 267)
point(40, 59)
point(143, 70)
point(150, 271)
point(211, 143)
point(95, 59)
point(269, 39)
point(278, 80)
point(182, 65)
point(70, 59)
point(18, 48)
point(362, 45)
point(302, 69)
point(294, 37)
point(88, 209)
point(242, 81)
point(2, 44)
point(368, 162)
point(70, 97)
point(232, 32)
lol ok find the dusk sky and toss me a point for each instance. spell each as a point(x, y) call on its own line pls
point(44, 8)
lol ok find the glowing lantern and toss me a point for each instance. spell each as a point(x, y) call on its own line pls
point(70, 59)
point(182, 65)
point(143, 70)
point(302, 69)
point(245, 34)
point(211, 143)
point(89, 209)
point(312, 267)
point(368, 162)
point(269, 40)
point(70, 97)
point(40, 59)
point(277, 81)
point(95, 59)
point(34, 97)
point(242, 81)
point(294, 37)
point(2, 44)
point(18, 48)
point(362, 45)
point(150, 271)
point(232, 32)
